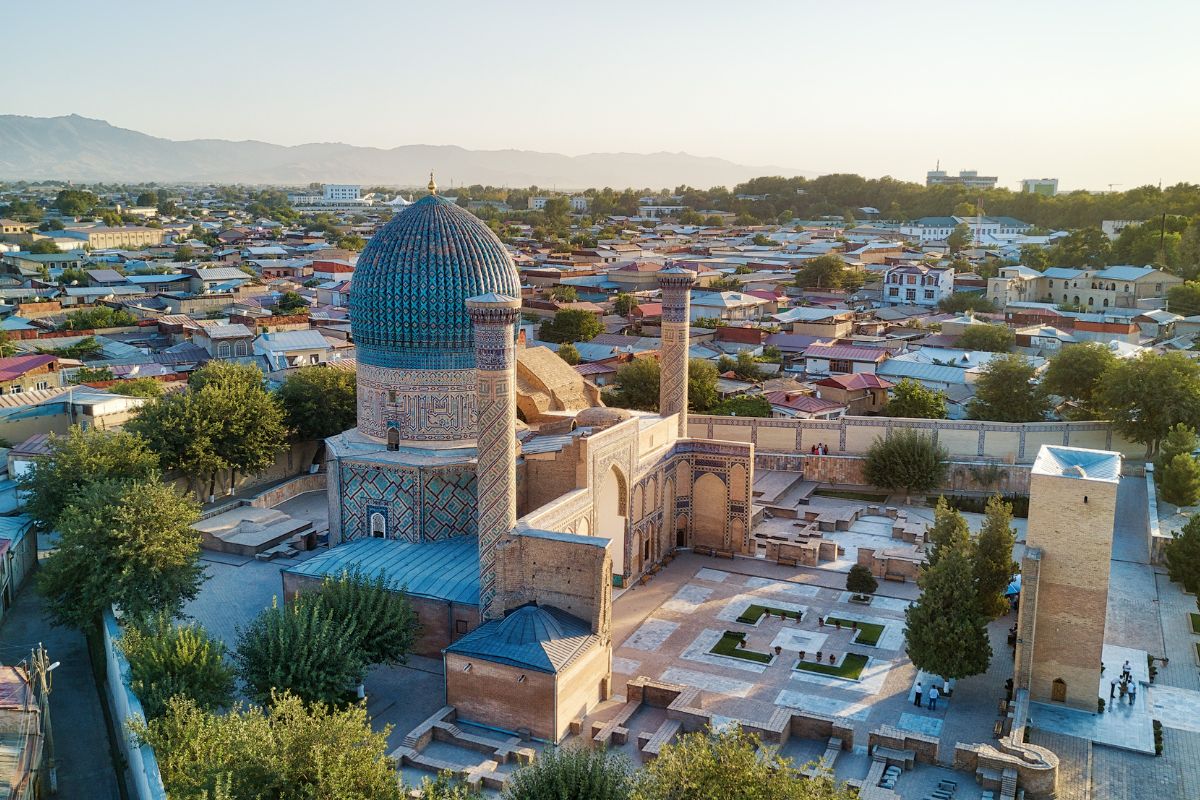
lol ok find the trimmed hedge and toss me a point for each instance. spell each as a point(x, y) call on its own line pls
point(978, 504)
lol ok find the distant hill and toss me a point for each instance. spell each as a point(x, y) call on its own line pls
point(81, 149)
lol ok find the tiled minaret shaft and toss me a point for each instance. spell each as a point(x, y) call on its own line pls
point(494, 317)
point(676, 285)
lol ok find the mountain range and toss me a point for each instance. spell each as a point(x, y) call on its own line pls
point(85, 150)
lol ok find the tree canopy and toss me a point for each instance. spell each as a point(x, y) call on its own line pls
point(319, 402)
point(576, 772)
point(1183, 556)
point(167, 659)
point(98, 317)
point(571, 325)
point(1144, 396)
point(994, 567)
point(946, 631)
point(1006, 391)
point(742, 406)
point(827, 272)
point(128, 544)
point(906, 461)
point(989, 338)
point(1076, 373)
point(912, 400)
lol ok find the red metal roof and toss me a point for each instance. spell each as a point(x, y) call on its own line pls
point(857, 380)
point(15, 367)
point(846, 352)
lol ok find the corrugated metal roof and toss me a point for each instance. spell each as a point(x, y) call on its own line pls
point(538, 638)
point(445, 570)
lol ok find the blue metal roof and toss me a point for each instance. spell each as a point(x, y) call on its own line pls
point(445, 570)
point(1124, 273)
point(539, 638)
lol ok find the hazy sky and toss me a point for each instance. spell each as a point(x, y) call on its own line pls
point(1089, 92)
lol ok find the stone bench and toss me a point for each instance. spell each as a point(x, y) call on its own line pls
point(652, 743)
point(614, 731)
point(827, 759)
point(900, 758)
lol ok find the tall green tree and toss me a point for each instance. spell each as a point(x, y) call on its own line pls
point(568, 353)
point(1144, 396)
point(824, 272)
point(743, 406)
point(1180, 440)
point(860, 581)
point(959, 238)
point(297, 751)
point(382, 621)
point(989, 338)
point(1076, 372)
point(575, 772)
point(702, 385)
point(637, 385)
point(1006, 391)
point(624, 303)
point(565, 294)
point(993, 560)
point(729, 765)
point(319, 402)
point(948, 531)
point(905, 461)
point(168, 659)
point(77, 461)
point(1184, 299)
point(571, 325)
point(125, 544)
point(1180, 480)
point(299, 648)
point(946, 630)
point(1183, 556)
point(911, 400)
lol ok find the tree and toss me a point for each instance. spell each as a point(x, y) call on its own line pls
point(319, 402)
point(1183, 556)
point(299, 648)
point(1180, 480)
point(568, 353)
point(44, 247)
point(1075, 373)
point(146, 199)
point(860, 581)
point(128, 545)
point(988, 338)
point(728, 765)
point(98, 317)
point(744, 366)
point(1180, 440)
point(168, 659)
point(565, 294)
point(959, 302)
point(75, 202)
point(624, 304)
point(446, 787)
point(1184, 299)
point(994, 567)
point(382, 621)
point(946, 631)
point(742, 406)
point(226, 420)
point(296, 752)
point(949, 530)
point(906, 460)
point(571, 325)
point(184, 253)
point(73, 277)
point(1006, 392)
point(92, 375)
point(138, 387)
point(637, 383)
point(575, 772)
point(702, 385)
point(726, 283)
point(76, 462)
point(290, 303)
point(352, 241)
point(912, 400)
point(822, 272)
point(1085, 247)
point(1146, 395)
point(960, 237)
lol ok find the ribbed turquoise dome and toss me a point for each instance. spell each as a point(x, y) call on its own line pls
point(407, 297)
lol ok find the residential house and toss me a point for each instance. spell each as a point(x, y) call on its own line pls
point(28, 373)
point(862, 393)
point(802, 405)
point(831, 323)
point(224, 341)
point(287, 349)
point(917, 284)
point(728, 306)
point(833, 359)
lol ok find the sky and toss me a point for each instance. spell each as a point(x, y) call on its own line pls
point(1093, 93)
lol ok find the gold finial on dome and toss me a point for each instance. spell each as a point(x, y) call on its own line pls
point(432, 186)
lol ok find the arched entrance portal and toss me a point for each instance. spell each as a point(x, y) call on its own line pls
point(612, 515)
point(710, 511)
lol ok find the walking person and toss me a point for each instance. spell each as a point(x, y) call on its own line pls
point(1132, 692)
point(933, 696)
point(917, 696)
point(1112, 690)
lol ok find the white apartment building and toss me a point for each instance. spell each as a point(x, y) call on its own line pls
point(936, 229)
point(917, 285)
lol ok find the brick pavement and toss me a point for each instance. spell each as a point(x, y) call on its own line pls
point(1074, 762)
point(1122, 775)
point(1174, 607)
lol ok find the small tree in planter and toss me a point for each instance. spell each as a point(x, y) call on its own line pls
point(862, 583)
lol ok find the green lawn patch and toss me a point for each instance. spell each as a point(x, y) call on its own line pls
point(1195, 618)
point(868, 632)
point(850, 668)
point(727, 645)
point(866, 497)
point(754, 613)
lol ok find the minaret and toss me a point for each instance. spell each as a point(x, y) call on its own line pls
point(676, 285)
point(493, 316)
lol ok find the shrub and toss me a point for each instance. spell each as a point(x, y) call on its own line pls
point(166, 659)
point(577, 773)
point(978, 504)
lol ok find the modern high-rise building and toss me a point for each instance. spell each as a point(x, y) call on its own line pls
point(968, 177)
point(1046, 186)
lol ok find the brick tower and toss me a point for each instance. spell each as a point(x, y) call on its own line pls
point(676, 285)
point(493, 316)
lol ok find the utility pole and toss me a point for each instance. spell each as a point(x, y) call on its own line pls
point(40, 678)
